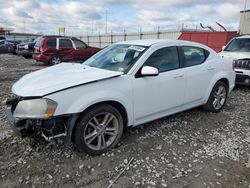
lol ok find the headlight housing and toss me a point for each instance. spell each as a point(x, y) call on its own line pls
point(26, 46)
point(35, 109)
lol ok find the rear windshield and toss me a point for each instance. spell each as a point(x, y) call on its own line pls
point(239, 45)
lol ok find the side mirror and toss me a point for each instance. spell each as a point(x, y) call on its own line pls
point(223, 48)
point(149, 71)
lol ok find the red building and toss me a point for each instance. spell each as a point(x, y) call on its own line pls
point(215, 40)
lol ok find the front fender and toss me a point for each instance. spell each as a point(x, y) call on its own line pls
point(77, 99)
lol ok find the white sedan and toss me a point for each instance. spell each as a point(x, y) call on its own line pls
point(125, 84)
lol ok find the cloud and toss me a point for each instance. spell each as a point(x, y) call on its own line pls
point(22, 14)
point(80, 16)
point(115, 2)
point(190, 13)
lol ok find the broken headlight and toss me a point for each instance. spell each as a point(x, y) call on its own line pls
point(35, 109)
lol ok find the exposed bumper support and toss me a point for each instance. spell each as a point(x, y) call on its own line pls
point(62, 126)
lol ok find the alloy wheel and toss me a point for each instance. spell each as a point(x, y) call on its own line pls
point(220, 95)
point(101, 131)
point(55, 60)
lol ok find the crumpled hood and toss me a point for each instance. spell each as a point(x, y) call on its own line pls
point(235, 55)
point(58, 77)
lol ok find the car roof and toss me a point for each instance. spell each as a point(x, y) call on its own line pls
point(151, 42)
point(145, 42)
point(58, 36)
point(53, 36)
point(243, 37)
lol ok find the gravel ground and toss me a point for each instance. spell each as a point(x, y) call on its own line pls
point(191, 149)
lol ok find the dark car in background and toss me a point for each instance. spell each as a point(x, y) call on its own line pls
point(2, 47)
point(57, 49)
point(8, 46)
point(11, 45)
point(26, 49)
point(2, 38)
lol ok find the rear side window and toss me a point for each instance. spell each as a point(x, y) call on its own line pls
point(193, 56)
point(51, 42)
point(65, 43)
point(79, 44)
point(164, 59)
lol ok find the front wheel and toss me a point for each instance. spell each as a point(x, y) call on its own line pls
point(27, 56)
point(98, 130)
point(217, 98)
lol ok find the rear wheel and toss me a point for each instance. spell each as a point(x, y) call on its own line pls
point(55, 60)
point(217, 98)
point(99, 129)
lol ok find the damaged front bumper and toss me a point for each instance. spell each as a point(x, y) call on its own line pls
point(61, 126)
point(12, 122)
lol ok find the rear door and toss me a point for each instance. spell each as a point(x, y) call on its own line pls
point(199, 71)
point(81, 52)
point(66, 49)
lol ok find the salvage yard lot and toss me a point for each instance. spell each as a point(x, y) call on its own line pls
point(190, 149)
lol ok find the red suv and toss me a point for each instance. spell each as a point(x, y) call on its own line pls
point(57, 49)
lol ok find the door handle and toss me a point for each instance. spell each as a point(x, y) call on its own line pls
point(178, 75)
point(210, 68)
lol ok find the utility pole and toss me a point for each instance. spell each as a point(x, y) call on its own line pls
point(106, 25)
point(106, 21)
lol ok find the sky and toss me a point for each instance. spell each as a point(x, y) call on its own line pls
point(81, 17)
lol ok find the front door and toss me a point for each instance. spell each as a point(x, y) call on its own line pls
point(82, 52)
point(157, 96)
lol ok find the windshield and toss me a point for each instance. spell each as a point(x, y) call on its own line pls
point(119, 57)
point(239, 45)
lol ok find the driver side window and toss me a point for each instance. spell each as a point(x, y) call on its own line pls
point(164, 59)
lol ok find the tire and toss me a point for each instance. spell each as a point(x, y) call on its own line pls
point(55, 60)
point(92, 135)
point(27, 56)
point(217, 98)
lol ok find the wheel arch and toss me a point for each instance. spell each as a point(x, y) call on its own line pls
point(120, 107)
point(219, 77)
point(115, 104)
point(225, 80)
